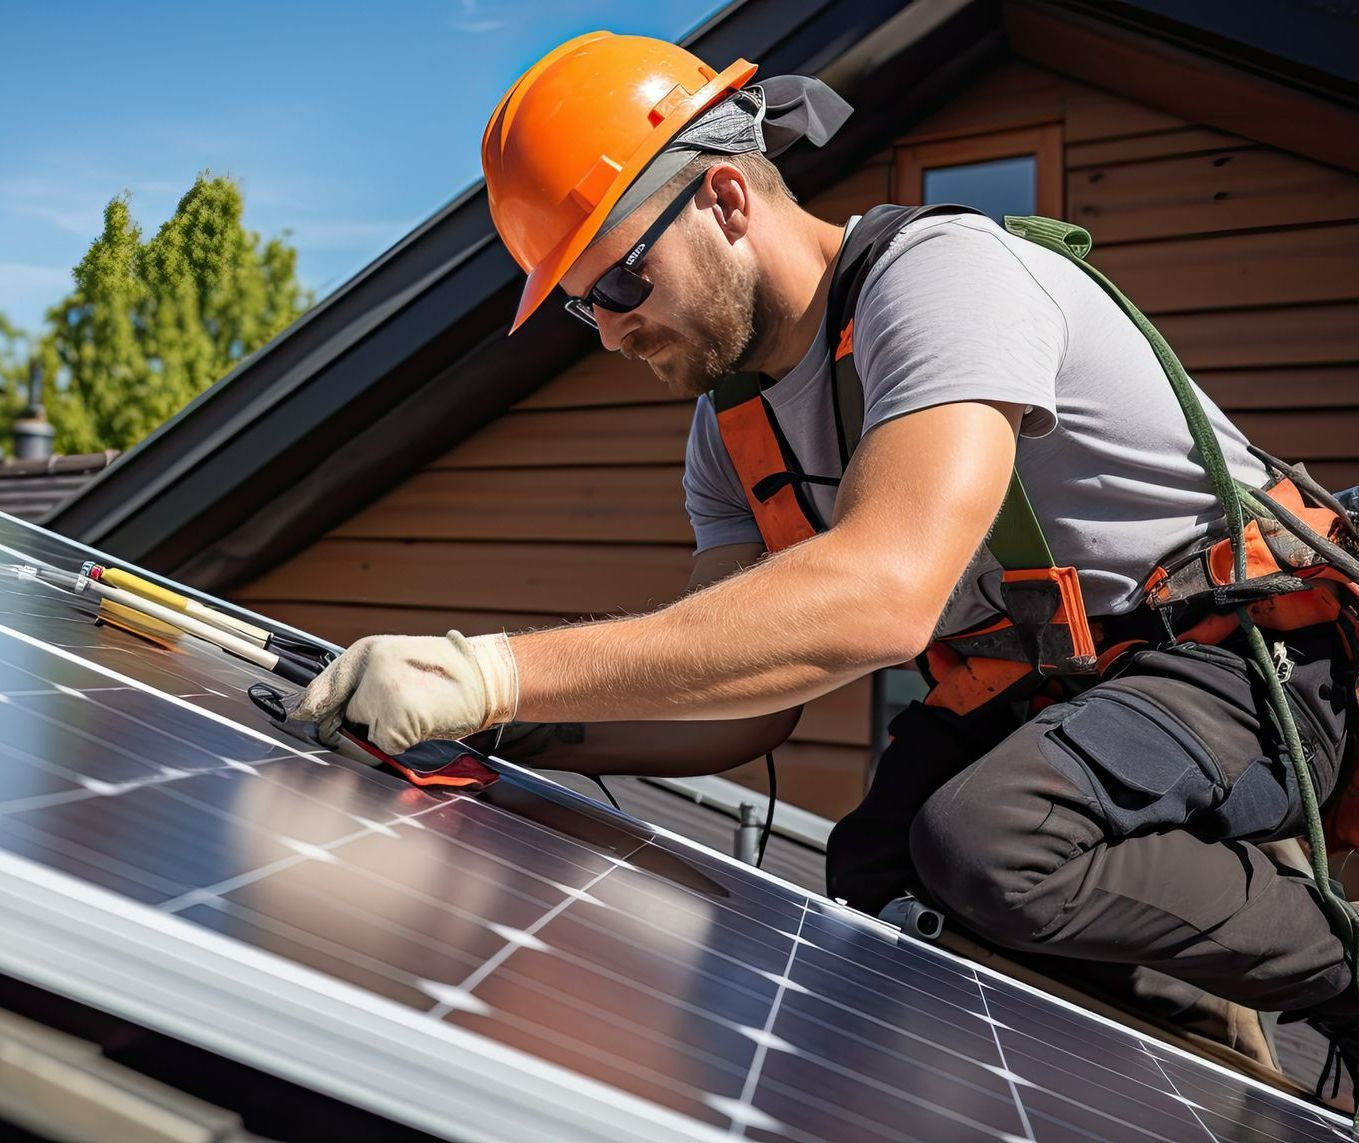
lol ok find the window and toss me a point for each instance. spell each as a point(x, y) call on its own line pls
point(1004, 172)
point(997, 187)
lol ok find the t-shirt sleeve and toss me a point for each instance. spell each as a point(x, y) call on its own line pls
point(956, 315)
point(713, 497)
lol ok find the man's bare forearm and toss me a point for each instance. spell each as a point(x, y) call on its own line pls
point(660, 749)
point(788, 630)
point(916, 502)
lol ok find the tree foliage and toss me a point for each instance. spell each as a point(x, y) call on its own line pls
point(152, 324)
point(14, 354)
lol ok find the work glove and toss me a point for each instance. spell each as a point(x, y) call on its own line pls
point(412, 688)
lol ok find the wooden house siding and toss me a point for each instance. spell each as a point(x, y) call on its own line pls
point(570, 504)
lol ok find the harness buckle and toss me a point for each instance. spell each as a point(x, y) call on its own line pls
point(1283, 665)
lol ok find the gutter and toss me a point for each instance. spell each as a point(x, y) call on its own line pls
point(724, 795)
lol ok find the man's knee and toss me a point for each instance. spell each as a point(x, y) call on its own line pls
point(954, 863)
point(982, 848)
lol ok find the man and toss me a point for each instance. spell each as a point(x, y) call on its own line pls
point(1107, 817)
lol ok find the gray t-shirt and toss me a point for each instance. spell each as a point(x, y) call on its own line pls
point(961, 310)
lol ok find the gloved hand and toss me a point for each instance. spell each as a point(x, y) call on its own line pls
point(412, 688)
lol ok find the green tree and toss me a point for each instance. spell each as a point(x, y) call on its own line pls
point(14, 357)
point(150, 325)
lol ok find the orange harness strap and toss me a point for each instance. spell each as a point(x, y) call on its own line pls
point(747, 428)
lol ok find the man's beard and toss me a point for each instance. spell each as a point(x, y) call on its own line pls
point(726, 324)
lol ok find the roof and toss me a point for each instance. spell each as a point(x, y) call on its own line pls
point(33, 488)
point(1313, 40)
point(410, 356)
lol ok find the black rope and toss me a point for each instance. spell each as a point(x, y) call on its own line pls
point(598, 781)
point(769, 814)
point(1298, 475)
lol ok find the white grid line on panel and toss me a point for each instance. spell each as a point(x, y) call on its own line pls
point(300, 1023)
point(137, 684)
point(400, 976)
point(738, 1126)
point(1000, 1050)
point(894, 936)
point(491, 963)
point(829, 1065)
point(941, 958)
point(1180, 1096)
point(305, 852)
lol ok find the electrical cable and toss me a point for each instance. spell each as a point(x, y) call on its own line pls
point(769, 814)
point(598, 781)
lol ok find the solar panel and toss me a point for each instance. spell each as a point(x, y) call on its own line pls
point(523, 964)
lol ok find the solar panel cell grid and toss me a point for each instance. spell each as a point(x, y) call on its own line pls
point(667, 990)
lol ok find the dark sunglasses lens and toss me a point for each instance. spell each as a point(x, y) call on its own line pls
point(620, 290)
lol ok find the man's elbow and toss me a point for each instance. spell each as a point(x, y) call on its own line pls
point(894, 622)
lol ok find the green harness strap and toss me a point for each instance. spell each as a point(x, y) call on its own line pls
point(1074, 243)
point(1016, 541)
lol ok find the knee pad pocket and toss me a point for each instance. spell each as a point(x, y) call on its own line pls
point(1140, 767)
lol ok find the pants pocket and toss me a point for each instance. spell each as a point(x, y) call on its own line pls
point(1141, 769)
point(1256, 806)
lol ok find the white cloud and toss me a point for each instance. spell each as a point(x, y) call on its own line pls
point(27, 290)
point(475, 18)
point(74, 203)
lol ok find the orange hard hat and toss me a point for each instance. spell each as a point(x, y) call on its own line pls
point(572, 134)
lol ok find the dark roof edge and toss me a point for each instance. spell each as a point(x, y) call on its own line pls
point(1214, 43)
point(144, 506)
point(1192, 72)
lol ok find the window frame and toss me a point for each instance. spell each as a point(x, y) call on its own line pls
point(912, 159)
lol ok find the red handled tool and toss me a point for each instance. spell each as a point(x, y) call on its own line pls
point(429, 765)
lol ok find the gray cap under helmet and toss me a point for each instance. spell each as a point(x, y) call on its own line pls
point(769, 117)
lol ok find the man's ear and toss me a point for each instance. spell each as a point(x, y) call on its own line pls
point(731, 201)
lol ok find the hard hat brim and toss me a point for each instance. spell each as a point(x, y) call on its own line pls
point(550, 271)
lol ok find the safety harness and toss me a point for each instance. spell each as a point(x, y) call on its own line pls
point(1287, 559)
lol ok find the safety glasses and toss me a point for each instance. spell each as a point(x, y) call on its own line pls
point(621, 287)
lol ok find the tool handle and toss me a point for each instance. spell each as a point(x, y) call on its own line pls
point(116, 577)
point(292, 668)
point(295, 670)
point(129, 581)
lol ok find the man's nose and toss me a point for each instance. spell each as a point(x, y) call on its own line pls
point(613, 327)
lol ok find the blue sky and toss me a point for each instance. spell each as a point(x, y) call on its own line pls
point(346, 122)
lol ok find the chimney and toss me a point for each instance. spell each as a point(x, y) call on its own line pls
point(32, 434)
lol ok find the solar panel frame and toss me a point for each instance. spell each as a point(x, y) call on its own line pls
point(226, 997)
point(763, 940)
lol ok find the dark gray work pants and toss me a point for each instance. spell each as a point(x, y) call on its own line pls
point(1117, 826)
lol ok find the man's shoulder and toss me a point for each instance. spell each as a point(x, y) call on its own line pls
point(946, 265)
point(703, 434)
point(967, 239)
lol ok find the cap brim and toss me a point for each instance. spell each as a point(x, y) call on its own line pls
point(545, 276)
